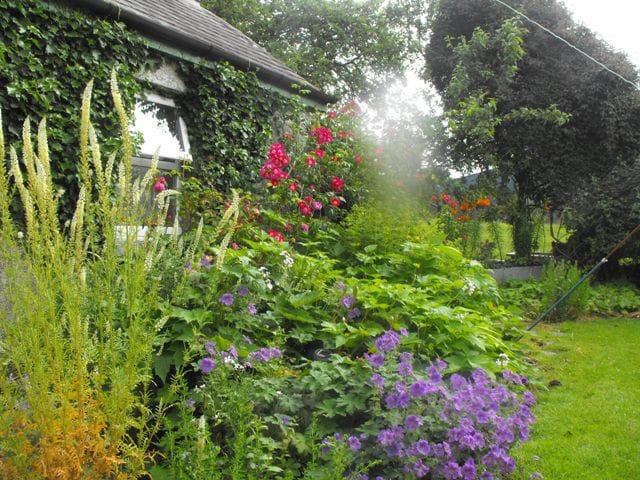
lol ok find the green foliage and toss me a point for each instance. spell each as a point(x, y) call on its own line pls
point(47, 56)
point(614, 299)
point(79, 312)
point(603, 216)
point(557, 278)
point(408, 279)
point(349, 48)
point(558, 165)
point(228, 116)
point(533, 297)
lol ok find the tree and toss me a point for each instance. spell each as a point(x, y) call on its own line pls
point(549, 162)
point(479, 88)
point(347, 47)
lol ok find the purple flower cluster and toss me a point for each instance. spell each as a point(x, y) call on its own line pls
point(266, 354)
point(348, 302)
point(230, 356)
point(388, 341)
point(455, 427)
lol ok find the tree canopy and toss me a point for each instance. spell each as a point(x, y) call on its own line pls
point(550, 162)
point(347, 47)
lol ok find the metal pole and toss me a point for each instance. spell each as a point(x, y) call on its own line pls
point(567, 293)
point(584, 277)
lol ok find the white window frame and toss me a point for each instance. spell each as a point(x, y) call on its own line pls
point(166, 163)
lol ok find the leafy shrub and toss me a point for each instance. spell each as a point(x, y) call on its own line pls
point(602, 215)
point(557, 278)
point(221, 427)
point(424, 426)
point(614, 299)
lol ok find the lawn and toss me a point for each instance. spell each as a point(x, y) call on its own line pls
point(500, 234)
point(588, 421)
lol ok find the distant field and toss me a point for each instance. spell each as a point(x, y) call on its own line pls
point(500, 234)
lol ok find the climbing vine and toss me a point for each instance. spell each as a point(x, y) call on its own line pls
point(49, 53)
point(229, 118)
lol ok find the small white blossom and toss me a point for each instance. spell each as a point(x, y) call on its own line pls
point(470, 288)
point(20, 235)
point(502, 360)
point(287, 259)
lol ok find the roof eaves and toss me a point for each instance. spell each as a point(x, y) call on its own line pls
point(164, 32)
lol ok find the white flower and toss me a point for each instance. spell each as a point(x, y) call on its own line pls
point(470, 288)
point(287, 259)
point(502, 360)
point(20, 235)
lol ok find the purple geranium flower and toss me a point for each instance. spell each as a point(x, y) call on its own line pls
point(227, 299)
point(405, 369)
point(422, 447)
point(348, 301)
point(375, 360)
point(377, 380)
point(469, 469)
point(387, 341)
point(354, 443)
point(252, 309)
point(354, 313)
point(243, 291)
point(206, 365)
point(206, 262)
point(420, 469)
point(413, 422)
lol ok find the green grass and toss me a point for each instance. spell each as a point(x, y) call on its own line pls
point(500, 234)
point(588, 427)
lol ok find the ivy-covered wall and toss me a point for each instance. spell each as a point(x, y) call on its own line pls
point(228, 116)
point(49, 53)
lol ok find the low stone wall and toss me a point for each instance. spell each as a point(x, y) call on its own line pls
point(516, 273)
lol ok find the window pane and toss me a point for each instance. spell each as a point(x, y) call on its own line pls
point(159, 127)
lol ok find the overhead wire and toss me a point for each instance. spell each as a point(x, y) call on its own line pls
point(637, 228)
point(563, 40)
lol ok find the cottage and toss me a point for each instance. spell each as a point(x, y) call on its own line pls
point(209, 90)
point(183, 29)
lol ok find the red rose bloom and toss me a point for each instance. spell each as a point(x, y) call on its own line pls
point(336, 184)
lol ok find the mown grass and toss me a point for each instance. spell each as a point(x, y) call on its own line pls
point(499, 233)
point(588, 425)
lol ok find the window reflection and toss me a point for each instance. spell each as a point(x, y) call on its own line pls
point(160, 129)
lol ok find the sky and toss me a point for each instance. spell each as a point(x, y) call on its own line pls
point(616, 21)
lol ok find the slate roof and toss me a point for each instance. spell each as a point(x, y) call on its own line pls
point(186, 25)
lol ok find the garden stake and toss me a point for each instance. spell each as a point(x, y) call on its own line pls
point(584, 277)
